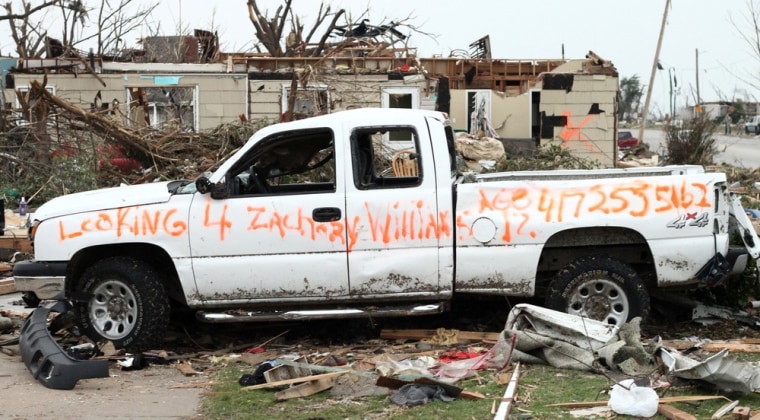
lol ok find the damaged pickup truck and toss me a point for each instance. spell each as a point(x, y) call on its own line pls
point(361, 213)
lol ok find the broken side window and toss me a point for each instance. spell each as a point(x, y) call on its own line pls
point(301, 161)
point(378, 163)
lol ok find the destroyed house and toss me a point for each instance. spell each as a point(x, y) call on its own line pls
point(188, 85)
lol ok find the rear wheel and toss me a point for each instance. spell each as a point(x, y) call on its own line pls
point(600, 288)
point(127, 303)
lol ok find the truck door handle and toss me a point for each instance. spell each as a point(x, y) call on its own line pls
point(326, 214)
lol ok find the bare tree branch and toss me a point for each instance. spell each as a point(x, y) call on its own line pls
point(28, 11)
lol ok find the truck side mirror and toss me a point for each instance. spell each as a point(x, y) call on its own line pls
point(218, 190)
point(203, 185)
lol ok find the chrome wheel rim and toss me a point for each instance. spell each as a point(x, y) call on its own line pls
point(602, 300)
point(113, 309)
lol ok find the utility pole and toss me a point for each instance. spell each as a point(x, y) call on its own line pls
point(699, 99)
point(654, 69)
point(672, 110)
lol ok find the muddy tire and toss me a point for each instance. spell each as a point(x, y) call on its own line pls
point(601, 288)
point(127, 304)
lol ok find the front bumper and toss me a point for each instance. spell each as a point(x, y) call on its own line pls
point(44, 279)
point(47, 361)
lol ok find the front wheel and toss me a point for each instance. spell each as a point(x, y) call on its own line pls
point(126, 304)
point(600, 288)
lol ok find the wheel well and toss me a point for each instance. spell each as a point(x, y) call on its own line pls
point(156, 256)
point(626, 245)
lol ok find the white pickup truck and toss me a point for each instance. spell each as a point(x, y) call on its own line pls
point(360, 213)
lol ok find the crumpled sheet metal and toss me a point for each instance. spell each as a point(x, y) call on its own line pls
point(725, 373)
point(588, 334)
point(565, 341)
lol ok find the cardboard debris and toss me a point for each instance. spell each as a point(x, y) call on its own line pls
point(255, 359)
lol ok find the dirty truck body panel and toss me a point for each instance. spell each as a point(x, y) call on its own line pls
point(362, 207)
point(674, 209)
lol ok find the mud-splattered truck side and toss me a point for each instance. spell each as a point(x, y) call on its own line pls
point(361, 212)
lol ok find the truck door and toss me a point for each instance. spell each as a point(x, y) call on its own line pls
point(393, 218)
point(277, 229)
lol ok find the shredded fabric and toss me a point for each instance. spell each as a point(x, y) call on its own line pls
point(411, 395)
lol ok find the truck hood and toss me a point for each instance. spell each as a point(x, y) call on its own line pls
point(103, 199)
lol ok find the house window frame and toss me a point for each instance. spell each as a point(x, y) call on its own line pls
point(24, 90)
point(153, 106)
point(385, 98)
point(317, 87)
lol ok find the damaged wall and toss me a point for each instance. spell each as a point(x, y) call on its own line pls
point(573, 105)
point(202, 101)
point(213, 99)
point(578, 111)
point(336, 92)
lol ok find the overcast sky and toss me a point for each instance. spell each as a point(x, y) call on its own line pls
point(624, 32)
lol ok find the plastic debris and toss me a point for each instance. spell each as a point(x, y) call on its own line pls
point(628, 398)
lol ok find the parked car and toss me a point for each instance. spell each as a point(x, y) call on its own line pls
point(626, 139)
point(752, 125)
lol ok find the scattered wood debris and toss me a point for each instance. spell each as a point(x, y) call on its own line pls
point(746, 345)
point(186, 368)
point(295, 380)
point(663, 400)
point(673, 413)
point(449, 336)
point(509, 396)
point(6, 285)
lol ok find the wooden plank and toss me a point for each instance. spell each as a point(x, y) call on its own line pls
point(194, 385)
point(186, 369)
point(18, 243)
point(673, 413)
point(7, 286)
point(305, 389)
point(663, 400)
point(294, 381)
point(502, 413)
point(5, 267)
point(416, 334)
point(749, 345)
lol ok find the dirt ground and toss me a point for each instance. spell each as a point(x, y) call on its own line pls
point(148, 393)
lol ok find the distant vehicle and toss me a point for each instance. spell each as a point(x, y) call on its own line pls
point(752, 125)
point(626, 140)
